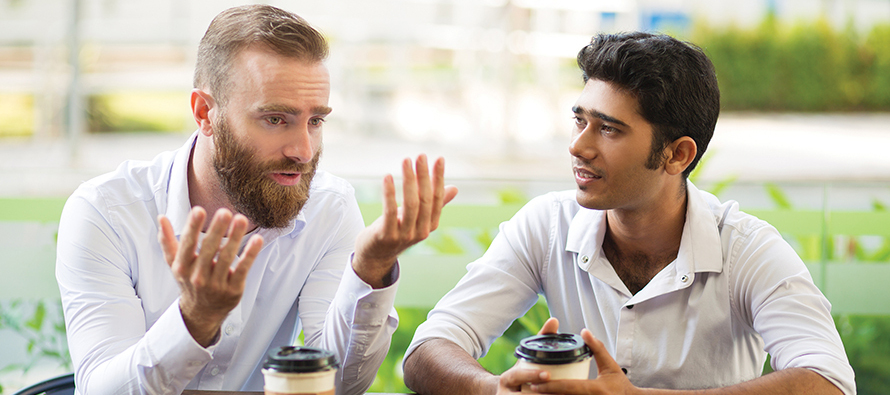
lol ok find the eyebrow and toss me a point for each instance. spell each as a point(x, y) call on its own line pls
point(597, 114)
point(317, 110)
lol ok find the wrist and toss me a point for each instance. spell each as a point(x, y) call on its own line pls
point(204, 331)
point(378, 273)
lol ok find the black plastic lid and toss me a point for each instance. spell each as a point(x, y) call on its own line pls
point(553, 349)
point(290, 359)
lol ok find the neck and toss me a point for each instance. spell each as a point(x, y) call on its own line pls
point(652, 233)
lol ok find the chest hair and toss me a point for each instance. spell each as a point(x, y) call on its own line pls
point(635, 269)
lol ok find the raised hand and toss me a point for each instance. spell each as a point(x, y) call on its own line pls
point(378, 246)
point(210, 286)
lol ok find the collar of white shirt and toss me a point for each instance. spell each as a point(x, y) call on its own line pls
point(701, 249)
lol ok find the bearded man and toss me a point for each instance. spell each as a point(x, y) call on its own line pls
point(150, 309)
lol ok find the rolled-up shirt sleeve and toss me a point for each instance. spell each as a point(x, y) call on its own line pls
point(499, 287)
point(773, 290)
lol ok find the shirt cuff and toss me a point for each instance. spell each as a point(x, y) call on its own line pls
point(364, 304)
point(173, 348)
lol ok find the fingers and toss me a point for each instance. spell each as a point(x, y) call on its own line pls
point(229, 251)
point(411, 201)
point(515, 377)
point(167, 239)
point(438, 185)
point(604, 362)
point(390, 207)
point(205, 264)
point(251, 250)
point(426, 197)
point(550, 326)
point(188, 241)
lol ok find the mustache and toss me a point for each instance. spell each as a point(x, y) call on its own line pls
point(287, 166)
point(579, 164)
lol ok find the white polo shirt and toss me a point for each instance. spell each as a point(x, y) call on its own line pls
point(735, 291)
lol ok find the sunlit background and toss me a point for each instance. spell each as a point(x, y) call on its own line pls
point(488, 84)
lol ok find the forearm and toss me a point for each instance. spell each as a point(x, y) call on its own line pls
point(788, 381)
point(439, 366)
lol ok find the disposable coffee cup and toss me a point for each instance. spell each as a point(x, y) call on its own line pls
point(564, 355)
point(294, 370)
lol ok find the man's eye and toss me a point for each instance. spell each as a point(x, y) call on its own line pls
point(578, 120)
point(275, 120)
point(316, 121)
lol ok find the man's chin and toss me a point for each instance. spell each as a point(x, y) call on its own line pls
point(585, 200)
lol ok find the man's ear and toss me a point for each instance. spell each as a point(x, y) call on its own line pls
point(680, 153)
point(202, 106)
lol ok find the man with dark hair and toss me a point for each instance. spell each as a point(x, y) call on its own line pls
point(670, 288)
point(160, 296)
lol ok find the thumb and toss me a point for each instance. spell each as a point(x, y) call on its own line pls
point(550, 326)
point(605, 364)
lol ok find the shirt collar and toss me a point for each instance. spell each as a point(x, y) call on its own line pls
point(700, 246)
point(179, 205)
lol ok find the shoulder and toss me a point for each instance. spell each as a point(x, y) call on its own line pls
point(730, 218)
point(330, 197)
point(560, 203)
point(132, 183)
point(544, 217)
point(327, 188)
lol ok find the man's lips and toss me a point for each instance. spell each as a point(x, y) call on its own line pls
point(584, 174)
point(286, 179)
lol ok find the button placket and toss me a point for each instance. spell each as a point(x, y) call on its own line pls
point(625, 336)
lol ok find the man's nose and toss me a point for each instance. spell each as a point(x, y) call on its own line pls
point(583, 145)
point(300, 146)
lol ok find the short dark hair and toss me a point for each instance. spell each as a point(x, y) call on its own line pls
point(674, 83)
point(237, 28)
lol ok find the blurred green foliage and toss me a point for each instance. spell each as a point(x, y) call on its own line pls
point(867, 342)
point(807, 67)
point(41, 327)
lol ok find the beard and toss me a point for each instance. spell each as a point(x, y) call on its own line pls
point(247, 185)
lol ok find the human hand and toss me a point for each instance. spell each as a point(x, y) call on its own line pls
point(514, 378)
point(610, 379)
point(378, 245)
point(210, 287)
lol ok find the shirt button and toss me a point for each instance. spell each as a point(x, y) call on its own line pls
point(624, 370)
point(214, 371)
point(584, 259)
point(630, 306)
point(684, 278)
point(230, 330)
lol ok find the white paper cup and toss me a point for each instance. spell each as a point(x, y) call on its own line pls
point(563, 355)
point(300, 371)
